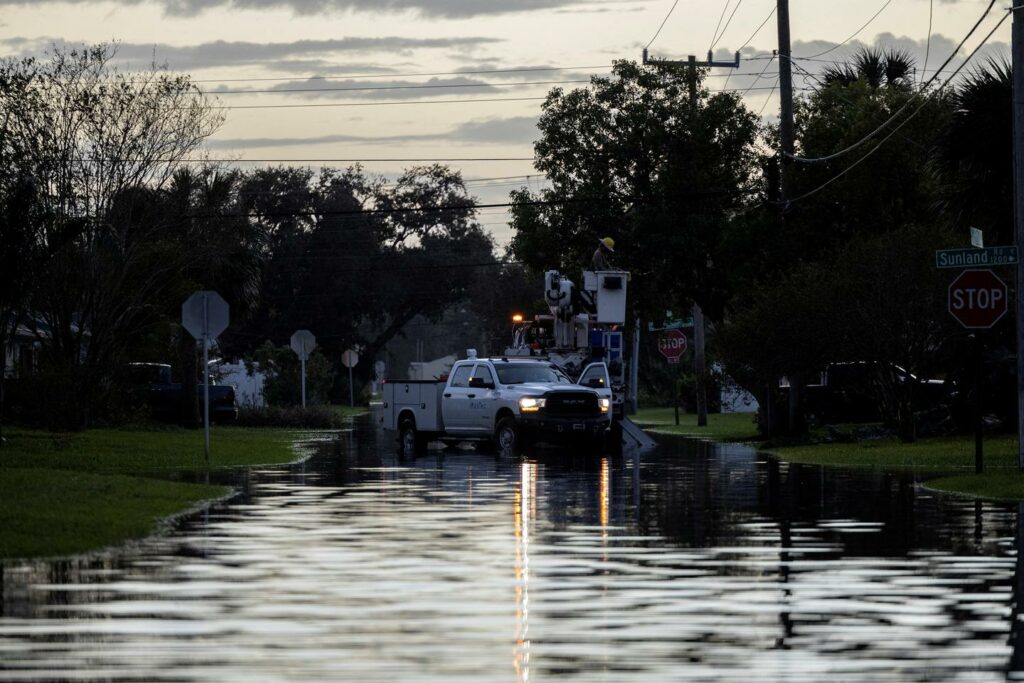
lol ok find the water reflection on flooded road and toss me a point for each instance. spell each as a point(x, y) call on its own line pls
point(694, 562)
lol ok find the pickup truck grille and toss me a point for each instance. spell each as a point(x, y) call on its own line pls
point(572, 404)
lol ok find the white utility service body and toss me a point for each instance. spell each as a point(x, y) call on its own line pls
point(507, 400)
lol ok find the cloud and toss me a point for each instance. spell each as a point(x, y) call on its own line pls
point(272, 55)
point(434, 8)
point(512, 130)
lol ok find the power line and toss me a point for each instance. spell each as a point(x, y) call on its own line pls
point(768, 99)
point(714, 35)
point(855, 33)
point(906, 105)
point(928, 44)
point(372, 104)
point(398, 75)
point(758, 29)
point(314, 105)
point(317, 161)
point(663, 21)
point(422, 86)
point(895, 130)
point(726, 27)
point(466, 208)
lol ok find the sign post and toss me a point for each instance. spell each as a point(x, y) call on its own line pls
point(672, 345)
point(303, 342)
point(350, 359)
point(205, 315)
point(977, 299)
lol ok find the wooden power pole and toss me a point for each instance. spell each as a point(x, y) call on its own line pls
point(1017, 51)
point(699, 360)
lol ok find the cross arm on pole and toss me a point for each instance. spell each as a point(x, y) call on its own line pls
point(691, 61)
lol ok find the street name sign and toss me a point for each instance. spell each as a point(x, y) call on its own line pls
point(977, 299)
point(672, 345)
point(971, 258)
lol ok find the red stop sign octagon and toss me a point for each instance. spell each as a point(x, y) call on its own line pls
point(672, 345)
point(977, 298)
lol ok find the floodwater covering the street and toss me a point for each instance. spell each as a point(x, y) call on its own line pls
point(693, 562)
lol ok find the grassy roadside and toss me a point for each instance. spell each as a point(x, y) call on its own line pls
point(950, 460)
point(720, 427)
point(71, 493)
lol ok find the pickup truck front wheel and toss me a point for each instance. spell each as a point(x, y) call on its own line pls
point(506, 434)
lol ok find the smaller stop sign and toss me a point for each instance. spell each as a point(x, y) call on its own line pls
point(672, 345)
point(977, 298)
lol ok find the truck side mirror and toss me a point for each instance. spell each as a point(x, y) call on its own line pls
point(595, 382)
point(480, 383)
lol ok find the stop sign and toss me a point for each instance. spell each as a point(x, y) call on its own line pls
point(977, 298)
point(672, 345)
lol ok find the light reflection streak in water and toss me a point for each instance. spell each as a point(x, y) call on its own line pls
point(697, 564)
point(524, 508)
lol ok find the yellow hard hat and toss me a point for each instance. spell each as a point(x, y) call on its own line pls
point(608, 243)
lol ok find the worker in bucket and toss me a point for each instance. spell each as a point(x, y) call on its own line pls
point(599, 261)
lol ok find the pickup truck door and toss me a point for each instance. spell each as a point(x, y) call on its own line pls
point(455, 399)
point(482, 398)
point(595, 376)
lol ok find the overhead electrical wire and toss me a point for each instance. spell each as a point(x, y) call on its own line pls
point(768, 99)
point(663, 21)
point(313, 105)
point(719, 36)
point(928, 44)
point(753, 35)
point(445, 209)
point(397, 75)
point(906, 105)
point(895, 130)
point(418, 86)
point(855, 33)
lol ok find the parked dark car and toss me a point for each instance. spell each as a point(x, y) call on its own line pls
point(153, 383)
point(853, 392)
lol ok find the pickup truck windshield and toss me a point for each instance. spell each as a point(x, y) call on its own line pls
point(518, 373)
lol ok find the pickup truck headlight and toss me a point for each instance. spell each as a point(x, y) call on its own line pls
point(605, 403)
point(531, 404)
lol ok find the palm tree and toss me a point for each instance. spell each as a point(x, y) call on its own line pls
point(874, 67)
point(975, 153)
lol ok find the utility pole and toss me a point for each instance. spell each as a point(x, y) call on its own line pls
point(785, 168)
point(786, 101)
point(1018, 206)
point(699, 361)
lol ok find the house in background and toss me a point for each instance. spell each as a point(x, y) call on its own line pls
point(22, 356)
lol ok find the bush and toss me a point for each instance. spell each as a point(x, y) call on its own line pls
point(283, 380)
point(311, 417)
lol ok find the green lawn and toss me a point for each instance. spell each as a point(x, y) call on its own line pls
point(949, 459)
point(49, 512)
point(69, 493)
point(720, 427)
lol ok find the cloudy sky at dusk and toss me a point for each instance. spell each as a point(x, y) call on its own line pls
point(404, 79)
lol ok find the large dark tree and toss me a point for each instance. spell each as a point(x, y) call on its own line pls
point(635, 158)
point(96, 143)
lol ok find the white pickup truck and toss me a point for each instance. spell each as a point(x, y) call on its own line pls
point(508, 401)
